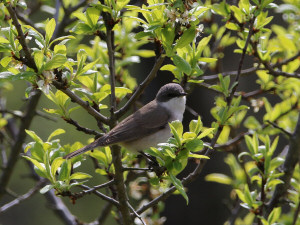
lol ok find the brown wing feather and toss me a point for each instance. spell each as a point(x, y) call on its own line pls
point(156, 118)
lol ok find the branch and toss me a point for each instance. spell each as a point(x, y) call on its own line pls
point(279, 72)
point(111, 57)
point(140, 89)
point(99, 194)
point(116, 150)
point(79, 101)
point(241, 61)
point(23, 197)
point(58, 206)
point(230, 73)
point(280, 128)
point(286, 61)
point(81, 128)
point(17, 147)
point(292, 158)
point(29, 60)
point(28, 22)
point(90, 190)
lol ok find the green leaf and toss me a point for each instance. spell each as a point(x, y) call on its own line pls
point(197, 156)
point(50, 27)
point(38, 165)
point(55, 133)
point(194, 145)
point(206, 132)
point(240, 195)
point(196, 125)
point(202, 44)
point(65, 171)
point(33, 135)
point(182, 65)
point(175, 133)
point(39, 59)
point(46, 188)
point(92, 15)
point(274, 215)
point(55, 165)
point(232, 26)
point(187, 37)
point(56, 61)
point(219, 178)
point(177, 183)
point(79, 176)
point(207, 60)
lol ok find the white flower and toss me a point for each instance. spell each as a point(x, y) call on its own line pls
point(44, 85)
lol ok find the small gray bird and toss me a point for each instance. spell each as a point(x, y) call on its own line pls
point(148, 126)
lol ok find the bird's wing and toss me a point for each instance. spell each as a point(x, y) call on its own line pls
point(147, 120)
point(142, 123)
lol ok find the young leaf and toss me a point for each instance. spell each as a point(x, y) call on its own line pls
point(46, 188)
point(50, 27)
point(219, 178)
point(177, 183)
point(187, 37)
point(79, 176)
point(183, 65)
point(33, 135)
point(55, 133)
point(194, 145)
point(56, 61)
point(55, 165)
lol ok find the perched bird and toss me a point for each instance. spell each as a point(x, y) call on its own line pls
point(148, 126)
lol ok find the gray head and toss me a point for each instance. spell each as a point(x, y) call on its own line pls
point(169, 91)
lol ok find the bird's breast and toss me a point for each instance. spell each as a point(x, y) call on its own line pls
point(175, 107)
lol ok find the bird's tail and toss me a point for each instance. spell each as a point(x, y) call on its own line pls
point(96, 143)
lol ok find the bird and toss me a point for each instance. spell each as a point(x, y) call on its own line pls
point(146, 127)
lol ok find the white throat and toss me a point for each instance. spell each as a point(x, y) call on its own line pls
point(176, 107)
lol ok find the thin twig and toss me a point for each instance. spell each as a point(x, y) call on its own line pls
point(136, 214)
point(230, 73)
point(60, 209)
point(191, 111)
point(103, 196)
point(280, 128)
point(237, 78)
point(141, 87)
point(45, 116)
point(81, 128)
point(27, 21)
point(97, 187)
point(135, 169)
point(286, 61)
point(29, 60)
point(23, 197)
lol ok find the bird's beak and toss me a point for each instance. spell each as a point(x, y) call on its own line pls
point(183, 94)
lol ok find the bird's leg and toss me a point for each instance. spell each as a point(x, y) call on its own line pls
point(153, 164)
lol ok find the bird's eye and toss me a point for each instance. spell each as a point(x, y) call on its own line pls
point(171, 95)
